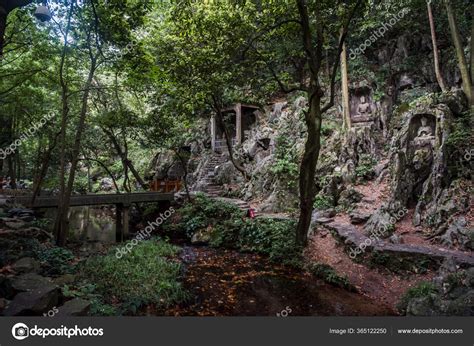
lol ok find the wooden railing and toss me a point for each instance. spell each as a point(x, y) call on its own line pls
point(166, 186)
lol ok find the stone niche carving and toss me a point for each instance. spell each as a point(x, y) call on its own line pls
point(418, 156)
point(362, 107)
point(422, 130)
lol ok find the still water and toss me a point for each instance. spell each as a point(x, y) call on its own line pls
point(90, 224)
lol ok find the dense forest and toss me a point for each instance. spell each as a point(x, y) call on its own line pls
point(236, 157)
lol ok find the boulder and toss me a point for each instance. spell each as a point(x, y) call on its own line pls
point(26, 265)
point(395, 239)
point(28, 282)
point(34, 302)
point(350, 197)
point(3, 304)
point(463, 305)
point(74, 307)
point(422, 306)
point(26, 218)
point(6, 289)
point(470, 276)
point(358, 217)
point(16, 224)
point(37, 295)
point(202, 236)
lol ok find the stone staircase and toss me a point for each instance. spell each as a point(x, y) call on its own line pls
point(243, 205)
point(210, 186)
point(214, 190)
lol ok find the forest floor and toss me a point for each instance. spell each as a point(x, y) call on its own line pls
point(375, 282)
point(229, 283)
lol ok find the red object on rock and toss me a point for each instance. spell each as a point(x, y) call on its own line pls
point(251, 213)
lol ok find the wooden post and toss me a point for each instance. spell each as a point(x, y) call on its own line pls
point(118, 223)
point(238, 123)
point(345, 90)
point(126, 221)
point(213, 132)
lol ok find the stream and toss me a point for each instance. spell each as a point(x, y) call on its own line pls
point(225, 282)
point(228, 283)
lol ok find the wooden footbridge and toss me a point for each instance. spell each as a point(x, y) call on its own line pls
point(122, 201)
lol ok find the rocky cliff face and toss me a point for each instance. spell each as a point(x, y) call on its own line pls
point(399, 135)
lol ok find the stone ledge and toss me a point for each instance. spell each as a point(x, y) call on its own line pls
point(352, 237)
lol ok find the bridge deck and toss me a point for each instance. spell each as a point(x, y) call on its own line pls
point(83, 200)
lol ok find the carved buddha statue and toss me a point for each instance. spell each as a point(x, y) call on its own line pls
point(363, 112)
point(425, 130)
point(364, 108)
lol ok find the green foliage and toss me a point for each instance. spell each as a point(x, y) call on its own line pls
point(423, 289)
point(146, 275)
point(322, 202)
point(328, 128)
point(286, 161)
point(365, 167)
point(203, 212)
point(329, 275)
point(43, 223)
point(87, 291)
point(56, 260)
point(400, 264)
point(274, 238)
point(460, 146)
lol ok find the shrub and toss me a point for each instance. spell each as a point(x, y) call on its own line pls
point(322, 202)
point(272, 237)
point(329, 275)
point(365, 167)
point(286, 167)
point(203, 212)
point(55, 260)
point(423, 289)
point(88, 291)
point(146, 275)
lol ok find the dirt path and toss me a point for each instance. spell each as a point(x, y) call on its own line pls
point(376, 283)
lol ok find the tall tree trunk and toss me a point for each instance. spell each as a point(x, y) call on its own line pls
point(345, 89)
point(308, 169)
point(63, 209)
point(44, 164)
point(439, 75)
point(472, 43)
point(185, 169)
point(62, 134)
point(313, 117)
point(465, 75)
